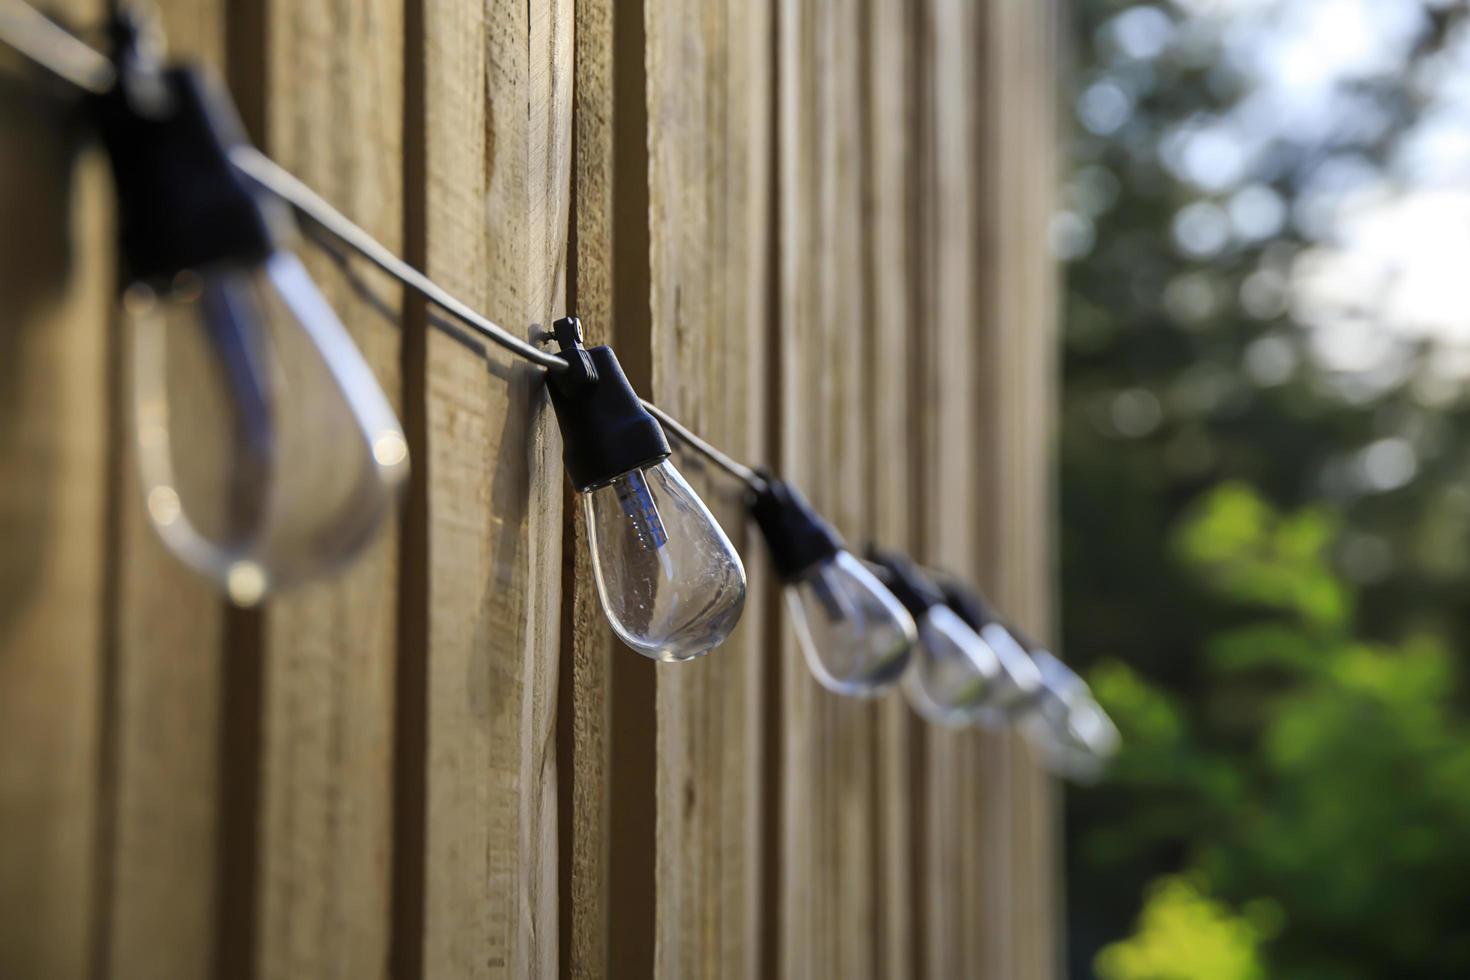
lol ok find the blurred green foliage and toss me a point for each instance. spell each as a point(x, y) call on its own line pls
point(1274, 623)
point(1323, 775)
point(1183, 935)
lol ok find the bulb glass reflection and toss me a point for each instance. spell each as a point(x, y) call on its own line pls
point(1017, 684)
point(267, 451)
point(1090, 727)
point(1066, 726)
point(855, 635)
point(954, 670)
point(668, 577)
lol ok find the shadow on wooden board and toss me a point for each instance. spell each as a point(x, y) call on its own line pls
point(37, 169)
point(53, 391)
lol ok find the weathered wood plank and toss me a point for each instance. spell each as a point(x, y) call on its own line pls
point(1017, 365)
point(984, 140)
point(169, 671)
point(334, 110)
point(803, 820)
point(57, 296)
point(615, 692)
point(892, 502)
point(707, 130)
point(909, 263)
point(831, 826)
point(961, 802)
point(497, 115)
point(591, 845)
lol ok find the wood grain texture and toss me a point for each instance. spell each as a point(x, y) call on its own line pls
point(168, 691)
point(586, 737)
point(830, 786)
point(55, 281)
point(497, 120)
point(814, 232)
point(334, 94)
point(964, 800)
point(1017, 367)
point(799, 893)
point(892, 500)
point(985, 349)
point(707, 101)
point(588, 787)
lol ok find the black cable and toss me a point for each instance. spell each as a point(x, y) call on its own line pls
point(54, 48)
point(69, 58)
point(283, 184)
point(740, 471)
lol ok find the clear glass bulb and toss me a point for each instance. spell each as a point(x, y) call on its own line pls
point(1019, 679)
point(668, 577)
point(855, 635)
point(267, 450)
point(1056, 752)
point(1044, 723)
point(953, 671)
point(1066, 726)
point(1090, 727)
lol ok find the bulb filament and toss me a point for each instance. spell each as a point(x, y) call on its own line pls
point(641, 510)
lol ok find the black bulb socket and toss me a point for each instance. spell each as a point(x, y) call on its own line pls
point(796, 536)
point(605, 430)
point(906, 581)
point(181, 203)
point(970, 605)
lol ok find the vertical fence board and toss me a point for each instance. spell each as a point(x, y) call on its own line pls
point(169, 690)
point(804, 770)
point(57, 298)
point(1016, 369)
point(959, 827)
point(707, 106)
point(830, 901)
point(613, 744)
point(497, 118)
point(888, 322)
point(889, 330)
point(334, 95)
point(585, 735)
point(550, 51)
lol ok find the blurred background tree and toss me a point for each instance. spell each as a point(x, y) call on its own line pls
point(1265, 502)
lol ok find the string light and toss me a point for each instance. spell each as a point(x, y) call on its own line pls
point(669, 580)
point(1021, 679)
point(954, 673)
point(1069, 730)
point(856, 636)
point(215, 297)
point(289, 457)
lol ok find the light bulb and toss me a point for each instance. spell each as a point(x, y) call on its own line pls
point(1018, 681)
point(668, 578)
point(1067, 728)
point(1090, 727)
point(1020, 678)
point(267, 451)
point(954, 672)
point(856, 637)
point(854, 633)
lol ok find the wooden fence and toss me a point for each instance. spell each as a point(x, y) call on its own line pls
point(813, 230)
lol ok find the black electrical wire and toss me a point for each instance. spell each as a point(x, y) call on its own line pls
point(282, 183)
point(69, 58)
point(54, 48)
point(738, 470)
point(66, 56)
